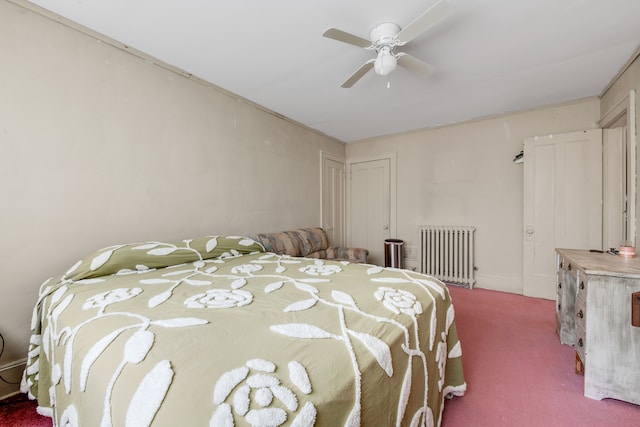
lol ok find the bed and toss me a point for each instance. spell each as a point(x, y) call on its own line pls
point(216, 331)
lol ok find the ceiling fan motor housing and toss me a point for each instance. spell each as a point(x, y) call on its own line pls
point(384, 34)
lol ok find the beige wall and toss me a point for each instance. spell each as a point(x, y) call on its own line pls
point(464, 175)
point(102, 147)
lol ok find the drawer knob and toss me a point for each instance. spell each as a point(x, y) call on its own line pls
point(569, 267)
point(581, 285)
point(580, 343)
point(559, 285)
point(580, 314)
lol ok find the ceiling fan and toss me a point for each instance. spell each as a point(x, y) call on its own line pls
point(385, 37)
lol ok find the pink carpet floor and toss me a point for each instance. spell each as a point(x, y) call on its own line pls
point(18, 411)
point(517, 372)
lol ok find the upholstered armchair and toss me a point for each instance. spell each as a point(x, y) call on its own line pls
point(310, 243)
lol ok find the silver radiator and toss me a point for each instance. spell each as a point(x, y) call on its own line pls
point(447, 253)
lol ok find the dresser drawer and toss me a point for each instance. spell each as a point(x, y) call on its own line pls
point(581, 287)
point(559, 278)
point(581, 312)
point(581, 341)
point(570, 268)
point(560, 285)
point(565, 300)
point(568, 283)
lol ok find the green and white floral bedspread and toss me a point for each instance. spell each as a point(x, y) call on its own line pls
point(214, 331)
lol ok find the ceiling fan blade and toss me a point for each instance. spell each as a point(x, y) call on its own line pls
point(435, 14)
point(344, 37)
point(364, 69)
point(415, 65)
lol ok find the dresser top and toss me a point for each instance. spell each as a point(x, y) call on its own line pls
point(603, 264)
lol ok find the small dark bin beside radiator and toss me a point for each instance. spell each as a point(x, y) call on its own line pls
point(393, 253)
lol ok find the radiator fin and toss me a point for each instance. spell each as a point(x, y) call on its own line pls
point(447, 253)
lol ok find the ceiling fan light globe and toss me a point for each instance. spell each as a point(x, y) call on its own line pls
point(385, 64)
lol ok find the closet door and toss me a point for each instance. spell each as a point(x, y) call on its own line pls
point(333, 210)
point(371, 207)
point(369, 211)
point(562, 203)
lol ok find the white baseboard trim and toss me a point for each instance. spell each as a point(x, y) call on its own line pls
point(11, 372)
point(20, 362)
point(499, 283)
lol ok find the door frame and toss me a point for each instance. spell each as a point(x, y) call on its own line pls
point(392, 157)
point(339, 159)
point(627, 105)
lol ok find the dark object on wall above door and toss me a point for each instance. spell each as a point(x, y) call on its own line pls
point(519, 158)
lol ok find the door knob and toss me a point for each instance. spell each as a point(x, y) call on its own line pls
point(530, 232)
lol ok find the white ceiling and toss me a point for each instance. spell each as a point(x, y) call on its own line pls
point(491, 56)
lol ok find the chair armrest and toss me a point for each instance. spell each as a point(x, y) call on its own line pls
point(349, 254)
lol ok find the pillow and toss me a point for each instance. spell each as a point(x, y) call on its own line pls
point(144, 256)
point(283, 242)
point(313, 239)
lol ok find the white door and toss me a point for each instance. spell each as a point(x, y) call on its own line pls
point(562, 203)
point(333, 199)
point(370, 206)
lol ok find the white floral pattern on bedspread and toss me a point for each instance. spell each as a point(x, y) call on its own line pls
point(214, 331)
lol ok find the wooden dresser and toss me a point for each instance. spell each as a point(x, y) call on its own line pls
point(594, 314)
